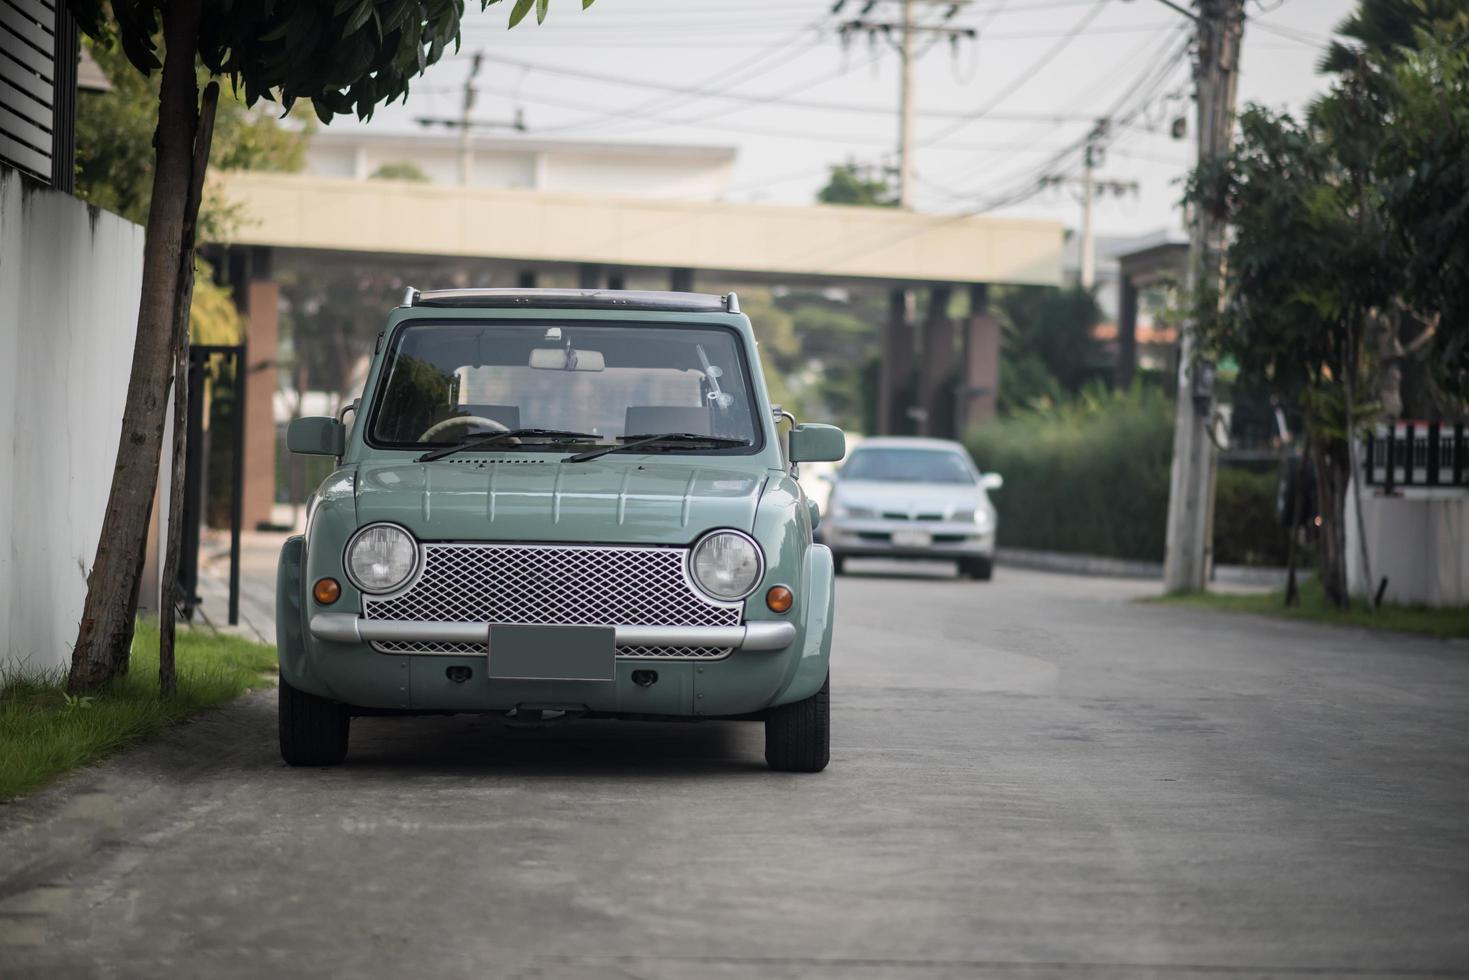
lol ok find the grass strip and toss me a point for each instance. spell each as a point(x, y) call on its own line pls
point(45, 732)
point(1444, 623)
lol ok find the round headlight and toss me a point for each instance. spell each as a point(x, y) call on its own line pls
point(381, 557)
point(727, 565)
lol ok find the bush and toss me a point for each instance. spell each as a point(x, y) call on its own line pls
point(1246, 531)
point(1091, 477)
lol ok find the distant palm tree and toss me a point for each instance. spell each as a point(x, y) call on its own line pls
point(1379, 26)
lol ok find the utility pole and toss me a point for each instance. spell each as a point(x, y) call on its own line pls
point(1090, 189)
point(905, 113)
point(1189, 544)
point(907, 30)
point(1088, 240)
point(467, 126)
point(900, 340)
point(466, 147)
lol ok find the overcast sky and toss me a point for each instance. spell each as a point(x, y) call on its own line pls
point(775, 80)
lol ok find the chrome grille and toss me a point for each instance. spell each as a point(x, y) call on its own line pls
point(623, 652)
point(591, 585)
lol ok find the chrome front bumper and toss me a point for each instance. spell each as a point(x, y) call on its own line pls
point(875, 537)
point(349, 628)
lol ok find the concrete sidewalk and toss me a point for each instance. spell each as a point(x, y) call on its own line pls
point(259, 552)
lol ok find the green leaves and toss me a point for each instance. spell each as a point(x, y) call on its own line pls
point(345, 56)
point(523, 7)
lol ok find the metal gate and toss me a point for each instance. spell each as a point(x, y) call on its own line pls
point(208, 363)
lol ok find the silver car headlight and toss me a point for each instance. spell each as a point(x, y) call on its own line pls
point(979, 517)
point(854, 513)
point(381, 557)
point(727, 565)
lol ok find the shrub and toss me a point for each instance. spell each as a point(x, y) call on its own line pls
point(1091, 477)
point(1246, 531)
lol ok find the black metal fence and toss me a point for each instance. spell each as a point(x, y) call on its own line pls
point(1417, 454)
point(208, 364)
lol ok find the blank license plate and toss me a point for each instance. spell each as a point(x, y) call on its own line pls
point(553, 653)
point(912, 539)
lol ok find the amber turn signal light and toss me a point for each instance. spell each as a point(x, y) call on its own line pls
point(326, 591)
point(779, 599)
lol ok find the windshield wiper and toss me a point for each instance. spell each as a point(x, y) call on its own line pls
point(490, 438)
point(636, 442)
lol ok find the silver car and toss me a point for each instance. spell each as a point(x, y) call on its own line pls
point(913, 498)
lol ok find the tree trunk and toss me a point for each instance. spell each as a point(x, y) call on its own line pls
point(106, 630)
point(1330, 459)
point(1355, 473)
point(1297, 506)
point(203, 136)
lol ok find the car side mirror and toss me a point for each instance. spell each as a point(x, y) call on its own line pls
point(816, 442)
point(992, 481)
point(316, 436)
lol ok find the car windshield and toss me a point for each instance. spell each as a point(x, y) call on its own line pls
point(908, 466)
point(447, 382)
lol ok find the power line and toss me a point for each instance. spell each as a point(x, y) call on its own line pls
point(1148, 83)
point(742, 72)
point(724, 40)
point(1149, 52)
point(1020, 80)
point(722, 125)
point(774, 98)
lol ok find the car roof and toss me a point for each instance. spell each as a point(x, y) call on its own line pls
point(617, 299)
point(911, 442)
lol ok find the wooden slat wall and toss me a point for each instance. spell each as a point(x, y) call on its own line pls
point(37, 89)
point(64, 106)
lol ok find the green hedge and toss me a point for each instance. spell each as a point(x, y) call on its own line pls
point(1246, 531)
point(1091, 477)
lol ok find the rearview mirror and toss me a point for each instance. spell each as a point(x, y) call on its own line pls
point(992, 481)
point(815, 442)
point(567, 359)
point(316, 436)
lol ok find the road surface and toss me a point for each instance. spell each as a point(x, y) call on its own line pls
point(1036, 777)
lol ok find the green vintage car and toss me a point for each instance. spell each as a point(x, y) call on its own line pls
point(557, 503)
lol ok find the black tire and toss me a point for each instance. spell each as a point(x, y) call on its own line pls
point(313, 730)
point(838, 564)
point(980, 569)
point(798, 735)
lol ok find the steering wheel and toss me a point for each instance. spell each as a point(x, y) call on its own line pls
point(439, 428)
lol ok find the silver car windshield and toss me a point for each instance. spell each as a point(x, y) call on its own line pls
point(447, 381)
point(908, 466)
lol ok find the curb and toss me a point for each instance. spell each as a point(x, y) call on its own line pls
point(1100, 565)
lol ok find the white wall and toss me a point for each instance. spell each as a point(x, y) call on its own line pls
point(1419, 541)
point(573, 168)
point(641, 176)
point(69, 282)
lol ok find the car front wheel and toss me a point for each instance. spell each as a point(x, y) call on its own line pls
point(798, 735)
point(313, 730)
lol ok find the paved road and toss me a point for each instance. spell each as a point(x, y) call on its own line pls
point(1032, 778)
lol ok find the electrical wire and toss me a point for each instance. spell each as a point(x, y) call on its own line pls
point(1151, 51)
point(1025, 76)
point(769, 98)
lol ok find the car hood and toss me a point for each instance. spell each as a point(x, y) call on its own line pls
point(910, 499)
point(527, 499)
